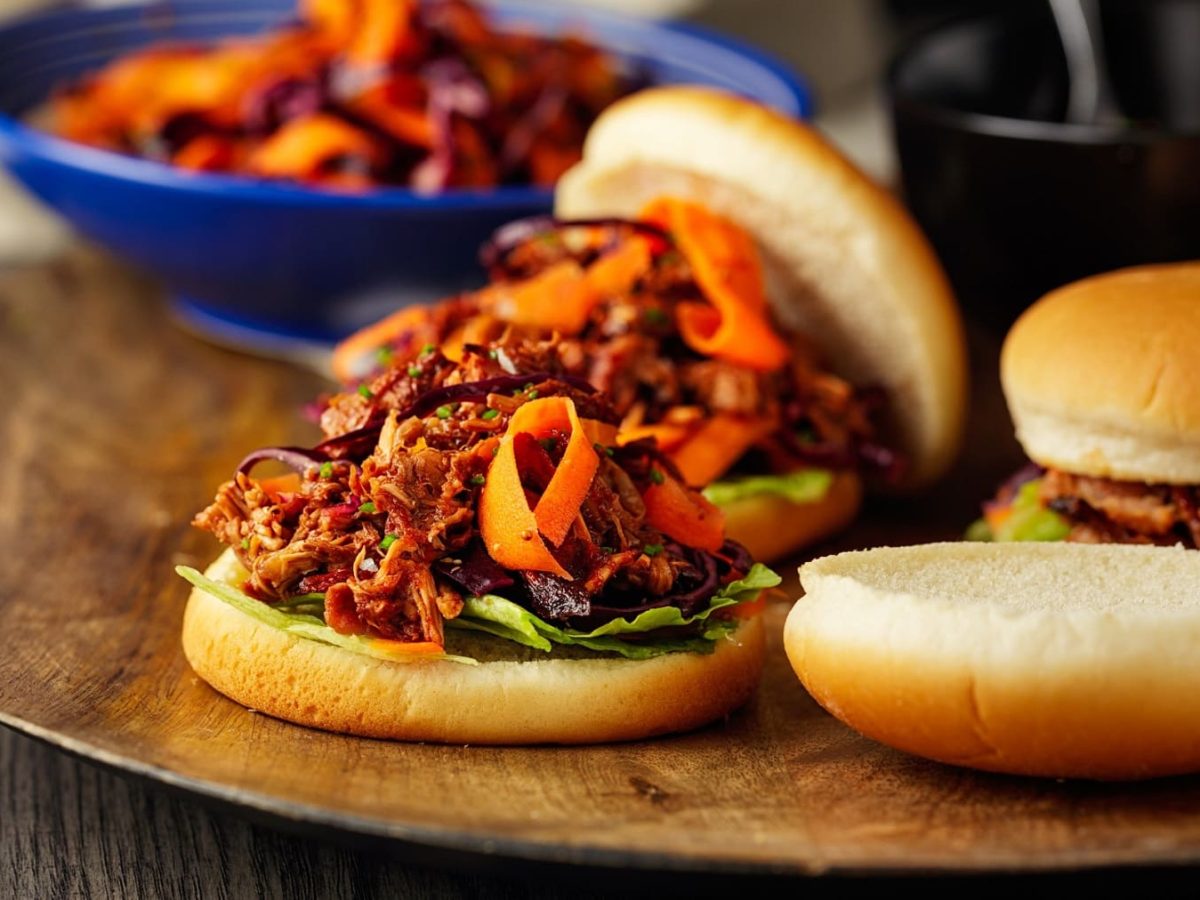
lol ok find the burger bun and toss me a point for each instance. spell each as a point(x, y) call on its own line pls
point(510, 697)
point(1102, 376)
point(1064, 660)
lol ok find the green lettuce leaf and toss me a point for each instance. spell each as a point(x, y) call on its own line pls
point(802, 486)
point(302, 624)
point(304, 616)
point(502, 617)
point(1029, 521)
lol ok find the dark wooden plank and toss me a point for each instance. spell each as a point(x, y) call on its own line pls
point(116, 428)
point(68, 830)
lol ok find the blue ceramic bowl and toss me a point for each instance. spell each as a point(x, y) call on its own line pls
point(269, 264)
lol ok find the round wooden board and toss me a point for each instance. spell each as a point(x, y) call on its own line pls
point(118, 427)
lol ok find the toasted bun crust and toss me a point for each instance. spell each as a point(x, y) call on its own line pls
point(844, 261)
point(1103, 376)
point(561, 701)
point(772, 527)
point(1063, 660)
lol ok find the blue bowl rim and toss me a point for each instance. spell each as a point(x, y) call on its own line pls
point(149, 173)
point(1067, 134)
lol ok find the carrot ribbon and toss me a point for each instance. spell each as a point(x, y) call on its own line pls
point(349, 356)
point(561, 298)
point(725, 264)
point(406, 648)
point(717, 444)
point(667, 435)
point(512, 532)
point(300, 147)
point(684, 515)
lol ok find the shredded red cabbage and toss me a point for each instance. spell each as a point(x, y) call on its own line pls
point(282, 100)
point(476, 572)
point(453, 90)
point(544, 110)
point(357, 444)
point(296, 458)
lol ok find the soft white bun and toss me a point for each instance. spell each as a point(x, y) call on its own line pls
point(844, 261)
point(560, 701)
point(772, 527)
point(1103, 376)
point(1064, 660)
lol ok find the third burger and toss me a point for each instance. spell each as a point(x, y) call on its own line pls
point(1100, 378)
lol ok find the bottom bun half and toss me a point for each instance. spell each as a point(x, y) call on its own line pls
point(772, 527)
point(1069, 661)
point(518, 701)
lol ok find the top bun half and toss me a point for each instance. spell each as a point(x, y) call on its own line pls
point(1102, 376)
point(844, 262)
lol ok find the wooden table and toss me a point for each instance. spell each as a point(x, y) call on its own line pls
point(118, 424)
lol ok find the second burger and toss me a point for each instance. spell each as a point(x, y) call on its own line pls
point(742, 293)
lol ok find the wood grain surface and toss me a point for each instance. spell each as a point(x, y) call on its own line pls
point(118, 426)
point(71, 830)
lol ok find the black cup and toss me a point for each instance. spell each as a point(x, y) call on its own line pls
point(1016, 200)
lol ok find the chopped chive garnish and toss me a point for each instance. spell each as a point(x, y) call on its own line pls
point(493, 354)
point(608, 549)
point(443, 412)
point(388, 540)
point(384, 354)
point(533, 395)
point(364, 391)
point(652, 549)
point(490, 414)
point(414, 371)
point(245, 543)
point(656, 476)
point(368, 507)
point(427, 349)
point(656, 316)
point(326, 470)
point(478, 479)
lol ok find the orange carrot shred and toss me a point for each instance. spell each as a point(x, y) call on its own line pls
point(558, 299)
point(206, 153)
point(618, 271)
point(667, 436)
point(726, 267)
point(348, 357)
point(300, 147)
point(384, 32)
point(716, 445)
point(407, 124)
point(561, 298)
point(684, 515)
point(600, 432)
point(281, 484)
point(407, 648)
point(511, 530)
